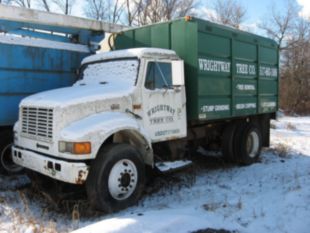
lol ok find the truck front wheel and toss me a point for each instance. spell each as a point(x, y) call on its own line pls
point(116, 178)
point(7, 166)
point(248, 143)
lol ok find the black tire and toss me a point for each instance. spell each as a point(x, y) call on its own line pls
point(247, 143)
point(110, 186)
point(7, 166)
point(228, 142)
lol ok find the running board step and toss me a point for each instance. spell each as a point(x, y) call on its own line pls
point(166, 167)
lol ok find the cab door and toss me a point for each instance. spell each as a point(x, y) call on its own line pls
point(164, 115)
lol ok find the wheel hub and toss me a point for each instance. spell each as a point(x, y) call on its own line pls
point(122, 180)
point(125, 180)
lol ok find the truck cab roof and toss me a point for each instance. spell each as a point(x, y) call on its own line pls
point(130, 53)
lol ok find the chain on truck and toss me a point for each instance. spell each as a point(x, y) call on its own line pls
point(166, 90)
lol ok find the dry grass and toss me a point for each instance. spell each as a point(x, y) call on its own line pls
point(272, 125)
point(213, 206)
point(24, 219)
point(290, 126)
point(282, 150)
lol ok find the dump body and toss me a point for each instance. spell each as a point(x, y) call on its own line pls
point(228, 72)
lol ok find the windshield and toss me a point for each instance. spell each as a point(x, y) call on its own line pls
point(109, 72)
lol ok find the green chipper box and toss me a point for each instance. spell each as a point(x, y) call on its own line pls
point(228, 72)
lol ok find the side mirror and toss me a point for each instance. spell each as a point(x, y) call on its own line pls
point(178, 73)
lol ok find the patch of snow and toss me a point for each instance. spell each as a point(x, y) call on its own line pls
point(42, 43)
point(270, 196)
point(168, 166)
point(101, 81)
point(131, 53)
point(118, 71)
point(63, 97)
point(294, 133)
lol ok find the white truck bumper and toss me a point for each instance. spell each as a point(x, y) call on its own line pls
point(70, 172)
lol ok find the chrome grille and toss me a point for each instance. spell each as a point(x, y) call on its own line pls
point(37, 122)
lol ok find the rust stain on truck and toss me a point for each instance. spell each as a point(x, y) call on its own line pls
point(81, 177)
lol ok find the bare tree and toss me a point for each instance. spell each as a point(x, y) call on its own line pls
point(149, 11)
point(108, 10)
point(95, 9)
point(22, 3)
point(280, 24)
point(228, 12)
point(185, 7)
point(117, 10)
point(28, 3)
point(64, 5)
point(142, 12)
point(45, 4)
point(295, 70)
point(131, 11)
point(293, 36)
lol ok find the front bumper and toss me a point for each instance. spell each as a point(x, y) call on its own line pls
point(70, 172)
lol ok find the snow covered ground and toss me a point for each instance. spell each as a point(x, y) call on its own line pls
point(270, 196)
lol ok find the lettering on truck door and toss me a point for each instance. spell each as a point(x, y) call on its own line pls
point(164, 106)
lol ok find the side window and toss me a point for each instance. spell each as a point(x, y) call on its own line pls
point(158, 75)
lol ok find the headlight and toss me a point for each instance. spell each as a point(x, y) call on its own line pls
point(78, 148)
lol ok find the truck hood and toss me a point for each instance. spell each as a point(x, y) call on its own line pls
point(77, 95)
point(79, 101)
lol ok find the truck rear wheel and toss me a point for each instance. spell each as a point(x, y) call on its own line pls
point(228, 142)
point(7, 166)
point(116, 178)
point(248, 143)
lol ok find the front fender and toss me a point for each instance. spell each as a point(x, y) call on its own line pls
point(97, 128)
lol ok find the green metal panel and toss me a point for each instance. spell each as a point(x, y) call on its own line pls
point(246, 51)
point(143, 37)
point(214, 86)
point(214, 108)
point(245, 105)
point(184, 40)
point(244, 87)
point(160, 36)
point(269, 56)
point(221, 50)
point(125, 40)
point(268, 104)
point(268, 87)
point(228, 72)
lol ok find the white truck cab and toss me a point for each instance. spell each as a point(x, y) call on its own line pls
point(100, 131)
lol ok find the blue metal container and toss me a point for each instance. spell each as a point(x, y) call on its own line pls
point(25, 70)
